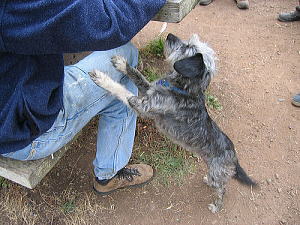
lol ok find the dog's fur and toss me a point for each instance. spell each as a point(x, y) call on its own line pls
point(182, 115)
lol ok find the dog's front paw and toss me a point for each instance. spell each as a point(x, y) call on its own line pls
point(119, 62)
point(99, 78)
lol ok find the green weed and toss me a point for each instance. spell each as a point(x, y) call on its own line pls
point(3, 183)
point(68, 206)
point(151, 74)
point(213, 101)
point(171, 162)
point(154, 48)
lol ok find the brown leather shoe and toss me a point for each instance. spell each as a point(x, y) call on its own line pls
point(130, 176)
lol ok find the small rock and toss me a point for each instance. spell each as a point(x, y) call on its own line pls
point(269, 181)
point(279, 190)
point(281, 99)
point(276, 176)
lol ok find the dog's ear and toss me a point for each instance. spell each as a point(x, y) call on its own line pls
point(190, 67)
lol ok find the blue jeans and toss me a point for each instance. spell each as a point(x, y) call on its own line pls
point(83, 99)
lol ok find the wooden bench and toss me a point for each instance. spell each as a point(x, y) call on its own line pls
point(175, 10)
point(30, 173)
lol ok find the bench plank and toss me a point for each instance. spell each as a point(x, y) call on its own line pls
point(30, 173)
point(175, 10)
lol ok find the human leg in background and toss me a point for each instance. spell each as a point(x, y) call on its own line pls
point(241, 4)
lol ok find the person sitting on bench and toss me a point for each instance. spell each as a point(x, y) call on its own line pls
point(44, 104)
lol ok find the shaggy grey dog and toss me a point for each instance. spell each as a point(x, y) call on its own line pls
point(177, 105)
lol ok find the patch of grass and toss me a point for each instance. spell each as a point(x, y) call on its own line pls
point(67, 201)
point(16, 209)
point(213, 101)
point(89, 211)
point(3, 183)
point(151, 74)
point(154, 48)
point(68, 206)
point(171, 162)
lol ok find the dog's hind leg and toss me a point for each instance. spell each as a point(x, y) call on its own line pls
point(136, 76)
point(212, 181)
point(220, 170)
point(217, 205)
point(116, 89)
point(206, 181)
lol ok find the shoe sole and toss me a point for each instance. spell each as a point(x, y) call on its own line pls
point(205, 4)
point(130, 186)
point(284, 20)
point(296, 103)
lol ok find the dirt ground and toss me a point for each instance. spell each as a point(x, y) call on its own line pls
point(258, 73)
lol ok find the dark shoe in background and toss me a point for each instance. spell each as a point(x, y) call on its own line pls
point(296, 100)
point(291, 16)
point(242, 4)
point(205, 2)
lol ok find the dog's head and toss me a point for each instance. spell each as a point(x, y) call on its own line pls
point(193, 60)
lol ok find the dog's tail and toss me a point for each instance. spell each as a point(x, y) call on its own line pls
point(242, 177)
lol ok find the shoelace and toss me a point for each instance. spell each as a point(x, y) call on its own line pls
point(128, 173)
